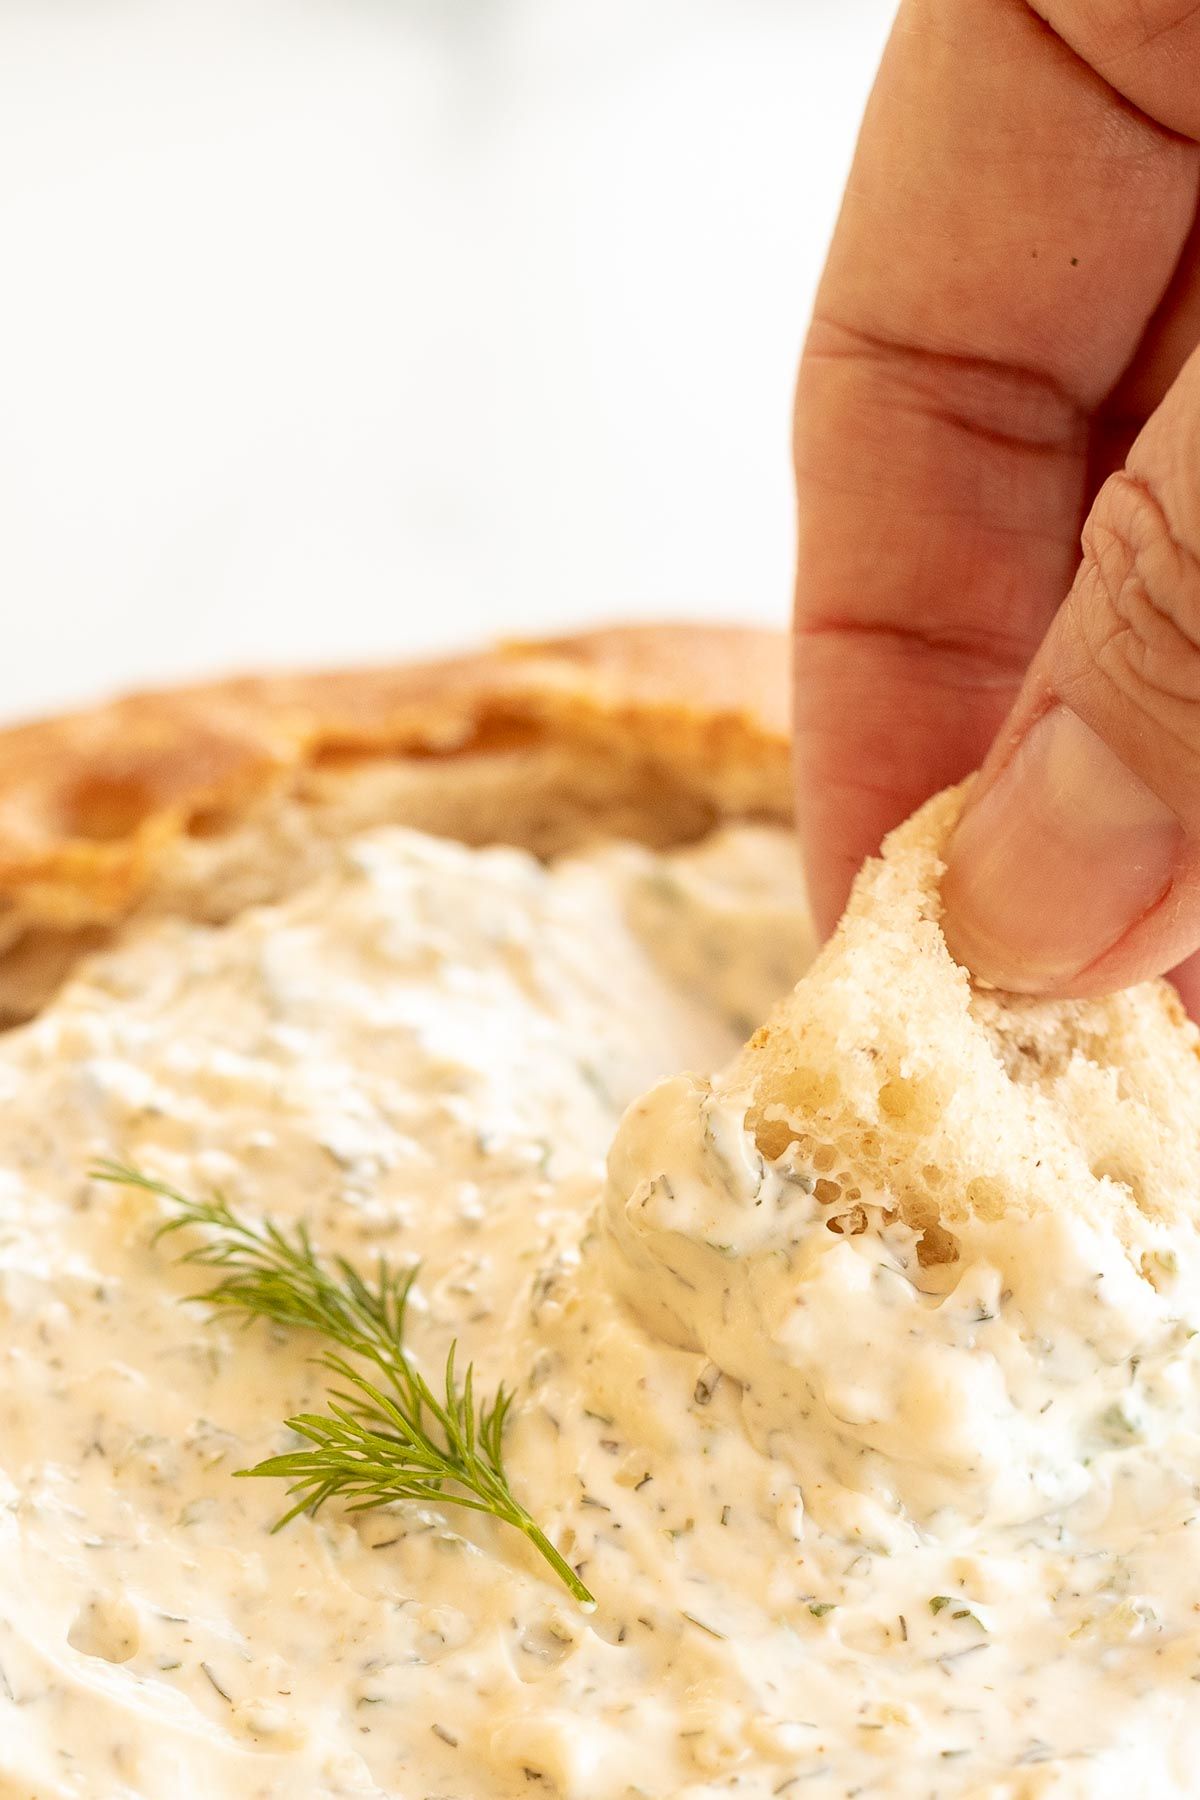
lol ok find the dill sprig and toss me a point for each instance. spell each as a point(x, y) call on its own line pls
point(386, 1435)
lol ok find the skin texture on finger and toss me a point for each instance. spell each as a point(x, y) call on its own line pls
point(1076, 869)
point(1010, 225)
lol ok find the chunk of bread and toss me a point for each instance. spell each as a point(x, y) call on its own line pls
point(896, 1076)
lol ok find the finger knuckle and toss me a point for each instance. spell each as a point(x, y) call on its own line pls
point(1135, 607)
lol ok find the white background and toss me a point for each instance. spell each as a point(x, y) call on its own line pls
point(333, 329)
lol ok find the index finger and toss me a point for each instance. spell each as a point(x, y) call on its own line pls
point(1011, 221)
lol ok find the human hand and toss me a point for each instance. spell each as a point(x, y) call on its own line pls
point(1010, 301)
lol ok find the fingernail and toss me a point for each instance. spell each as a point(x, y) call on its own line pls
point(1056, 861)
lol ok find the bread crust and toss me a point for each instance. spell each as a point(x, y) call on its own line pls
point(95, 805)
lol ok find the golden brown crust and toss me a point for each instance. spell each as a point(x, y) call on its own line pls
point(91, 803)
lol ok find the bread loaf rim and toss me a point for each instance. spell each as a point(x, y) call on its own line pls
point(95, 805)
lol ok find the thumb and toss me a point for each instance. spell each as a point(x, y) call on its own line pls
point(1075, 869)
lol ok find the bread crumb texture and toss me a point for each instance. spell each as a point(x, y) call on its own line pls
point(889, 1070)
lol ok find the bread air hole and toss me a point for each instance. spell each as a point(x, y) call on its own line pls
point(772, 1137)
point(1113, 1169)
point(849, 1224)
point(787, 1096)
point(986, 1197)
point(936, 1245)
point(803, 1092)
point(909, 1102)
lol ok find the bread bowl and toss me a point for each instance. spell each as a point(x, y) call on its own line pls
point(784, 1389)
point(204, 799)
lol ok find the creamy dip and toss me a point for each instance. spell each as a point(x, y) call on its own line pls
point(854, 1526)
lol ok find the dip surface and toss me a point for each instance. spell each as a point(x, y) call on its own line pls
point(854, 1526)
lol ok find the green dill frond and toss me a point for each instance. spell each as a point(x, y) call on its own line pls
point(386, 1436)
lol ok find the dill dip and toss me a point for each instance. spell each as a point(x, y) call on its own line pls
point(853, 1526)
